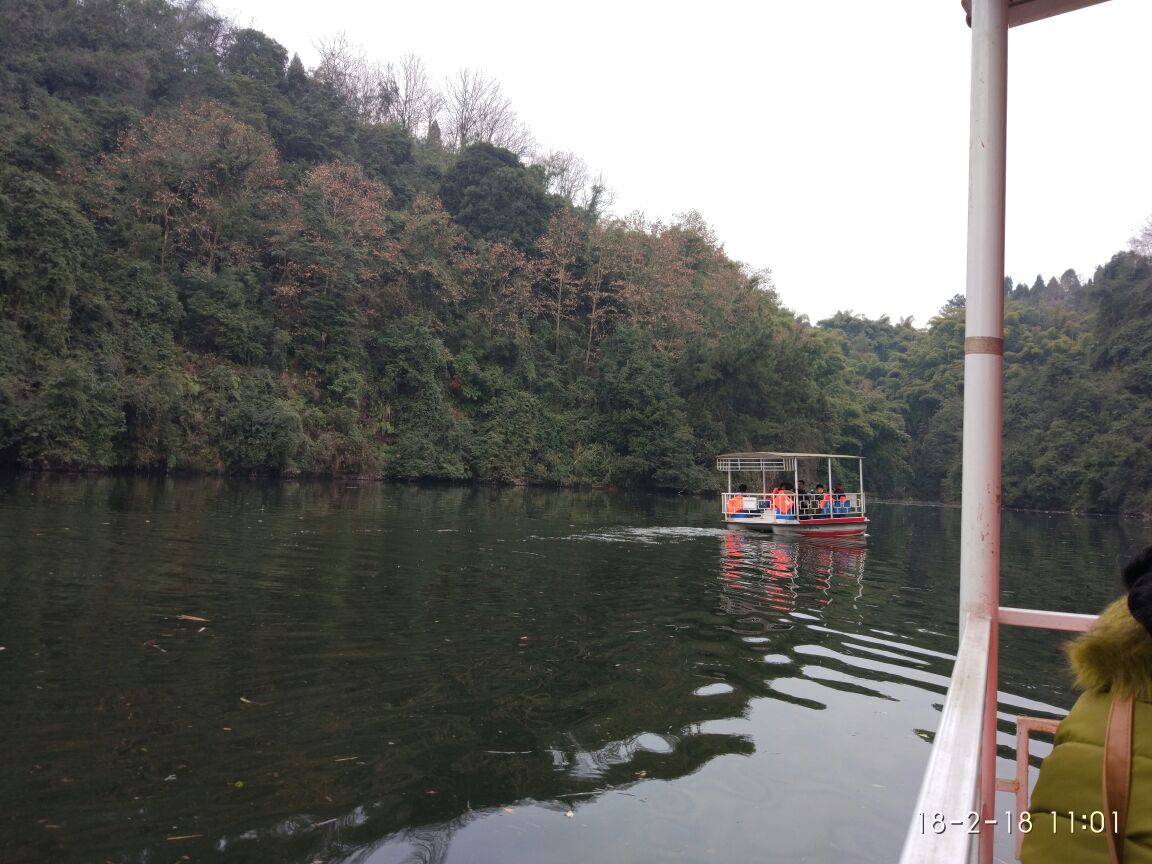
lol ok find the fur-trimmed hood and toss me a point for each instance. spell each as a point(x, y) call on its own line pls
point(1115, 655)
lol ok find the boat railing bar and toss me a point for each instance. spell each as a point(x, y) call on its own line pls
point(1018, 785)
point(949, 789)
point(961, 730)
point(1073, 622)
point(1040, 618)
point(755, 464)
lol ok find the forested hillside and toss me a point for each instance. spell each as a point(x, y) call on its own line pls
point(213, 259)
point(1077, 390)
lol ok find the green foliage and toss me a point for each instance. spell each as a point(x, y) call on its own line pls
point(641, 418)
point(66, 415)
point(495, 197)
point(1075, 386)
point(209, 261)
point(387, 153)
point(224, 315)
point(316, 125)
point(44, 244)
point(250, 423)
point(252, 54)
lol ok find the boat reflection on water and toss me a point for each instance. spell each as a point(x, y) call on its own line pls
point(762, 574)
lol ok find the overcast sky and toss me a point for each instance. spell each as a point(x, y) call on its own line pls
point(827, 141)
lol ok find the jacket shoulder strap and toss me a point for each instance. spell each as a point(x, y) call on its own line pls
point(1117, 773)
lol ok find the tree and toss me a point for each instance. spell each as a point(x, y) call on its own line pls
point(641, 417)
point(368, 88)
point(1141, 244)
point(560, 249)
point(492, 194)
point(336, 250)
point(566, 175)
point(45, 245)
point(197, 176)
point(477, 111)
point(417, 102)
point(252, 54)
point(322, 125)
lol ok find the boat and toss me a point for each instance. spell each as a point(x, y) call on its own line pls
point(832, 505)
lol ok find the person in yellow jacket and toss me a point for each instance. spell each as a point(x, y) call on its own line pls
point(1082, 811)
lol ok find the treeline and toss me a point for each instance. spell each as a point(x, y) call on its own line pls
point(214, 259)
point(1077, 390)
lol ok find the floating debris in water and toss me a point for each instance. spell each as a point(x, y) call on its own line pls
point(717, 689)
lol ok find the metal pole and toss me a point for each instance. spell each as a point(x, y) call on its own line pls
point(984, 360)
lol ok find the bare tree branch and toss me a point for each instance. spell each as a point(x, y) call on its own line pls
point(477, 110)
point(369, 88)
point(566, 174)
point(1142, 243)
point(417, 101)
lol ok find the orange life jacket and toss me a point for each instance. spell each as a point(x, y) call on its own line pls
point(736, 503)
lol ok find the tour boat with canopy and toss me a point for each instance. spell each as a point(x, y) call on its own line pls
point(795, 493)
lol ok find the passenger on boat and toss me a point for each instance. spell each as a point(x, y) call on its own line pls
point(823, 500)
point(736, 502)
point(784, 501)
point(1100, 768)
point(839, 500)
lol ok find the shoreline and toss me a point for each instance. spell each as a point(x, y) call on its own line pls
point(290, 476)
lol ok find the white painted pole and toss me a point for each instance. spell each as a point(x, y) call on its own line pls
point(860, 467)
point(984, 361)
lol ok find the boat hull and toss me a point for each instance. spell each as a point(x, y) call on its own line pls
point(845, 527)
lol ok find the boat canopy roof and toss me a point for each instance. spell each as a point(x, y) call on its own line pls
point(771, 461)
point(1027, 11)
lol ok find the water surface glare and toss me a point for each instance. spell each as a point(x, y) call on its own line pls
point(210, 670)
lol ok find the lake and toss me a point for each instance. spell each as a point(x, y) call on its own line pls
point(228, 670)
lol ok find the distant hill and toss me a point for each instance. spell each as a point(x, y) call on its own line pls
point(213, 259)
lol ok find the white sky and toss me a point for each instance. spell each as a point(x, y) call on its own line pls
point(827, 141)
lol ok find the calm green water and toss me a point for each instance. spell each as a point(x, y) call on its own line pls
point(394, 674)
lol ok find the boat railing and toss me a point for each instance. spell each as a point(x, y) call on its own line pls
point(804, 505)
point(951, 781)
point(830, 505)
point(748, 502)
point(956, 805)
